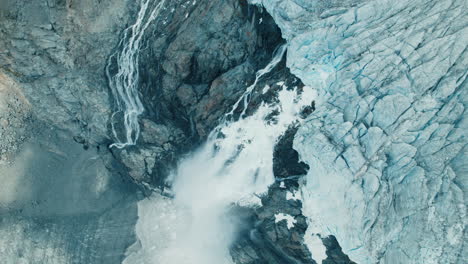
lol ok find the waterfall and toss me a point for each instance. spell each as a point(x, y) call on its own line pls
point(245, 98)
point(124, 83)
point(234, 166)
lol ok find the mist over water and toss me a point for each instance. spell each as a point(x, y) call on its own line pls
point(234, 166)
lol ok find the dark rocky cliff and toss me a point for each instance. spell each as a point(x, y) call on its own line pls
point(197, 63)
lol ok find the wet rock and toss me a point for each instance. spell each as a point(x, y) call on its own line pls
point(202, 63)
point(199, 61)
point(278, 233)
point(224, 92)
point(286, 159)
point(334, 252)
point(140, 162)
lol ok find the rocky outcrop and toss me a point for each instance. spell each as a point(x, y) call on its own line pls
point(198, 61)
point(285, 159)
point(269, 238)
point(206, 60)
point(57, 51)
point(334, 252)
point(277, 230)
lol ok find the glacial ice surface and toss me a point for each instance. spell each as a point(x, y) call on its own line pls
point(387, 144)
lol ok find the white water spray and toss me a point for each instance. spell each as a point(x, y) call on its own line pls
point(234, 166)
point(124, 84)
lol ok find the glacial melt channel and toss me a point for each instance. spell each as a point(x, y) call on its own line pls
point(234, 168)
point(124, 83)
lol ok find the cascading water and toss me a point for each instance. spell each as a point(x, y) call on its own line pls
point(124, 83)
point(245, 98)
point(234, 166)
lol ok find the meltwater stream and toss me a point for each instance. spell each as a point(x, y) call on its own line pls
point(234, 166)
point(124, 83)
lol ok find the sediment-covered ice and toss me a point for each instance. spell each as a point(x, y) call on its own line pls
point(387, 144)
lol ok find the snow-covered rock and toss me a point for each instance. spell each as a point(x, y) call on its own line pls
point(290, 221)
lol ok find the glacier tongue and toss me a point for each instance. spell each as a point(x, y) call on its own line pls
point(387, 145)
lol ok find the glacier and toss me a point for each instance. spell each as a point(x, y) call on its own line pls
point(387, 144)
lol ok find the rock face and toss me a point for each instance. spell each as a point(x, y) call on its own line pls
point(57, 51)
point(197, 62)
point(269, 238)
point(204, 60)
point(386, 145)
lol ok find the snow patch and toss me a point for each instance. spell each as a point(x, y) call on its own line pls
point(317, 248)
point(290, 221)
point(295, 195)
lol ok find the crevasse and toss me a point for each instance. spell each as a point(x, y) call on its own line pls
point(387, 144)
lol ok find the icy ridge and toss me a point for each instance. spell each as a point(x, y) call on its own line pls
point(387, 145)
